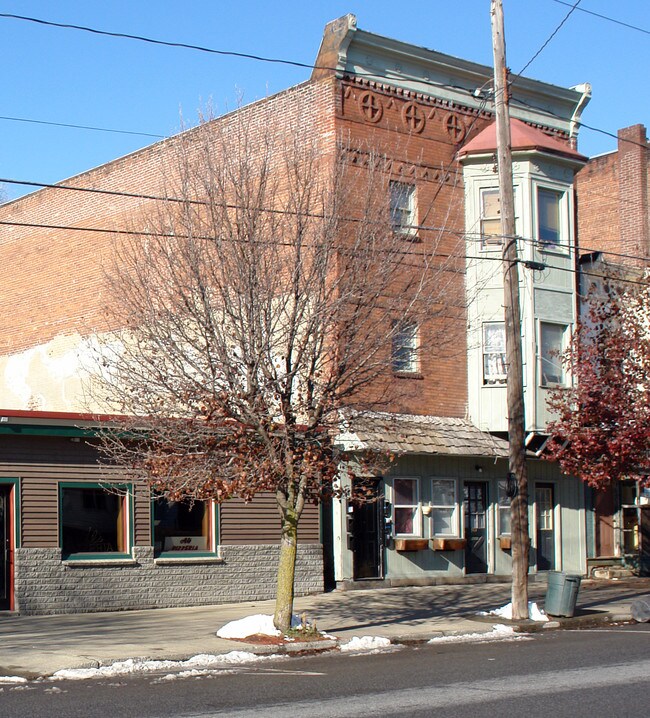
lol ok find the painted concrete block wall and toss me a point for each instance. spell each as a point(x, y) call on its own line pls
point(432, 566)
point(44, 584)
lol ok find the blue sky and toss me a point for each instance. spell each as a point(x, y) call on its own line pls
point(67, 76)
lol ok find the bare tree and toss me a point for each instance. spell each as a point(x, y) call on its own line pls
point(271, 291)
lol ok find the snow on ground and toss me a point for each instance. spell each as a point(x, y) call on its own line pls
point(140, 665)
point(11, 679)
point(365, 644)
point(253, 625)
point(534, 613)
point(498, 633)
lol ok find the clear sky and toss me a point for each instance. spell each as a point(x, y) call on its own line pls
point(67, 76)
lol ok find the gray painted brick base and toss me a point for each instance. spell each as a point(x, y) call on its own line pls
point(45, 584)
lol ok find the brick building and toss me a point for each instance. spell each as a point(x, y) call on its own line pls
point(443, 515)
point(614, 231)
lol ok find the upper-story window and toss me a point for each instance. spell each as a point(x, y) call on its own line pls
point(552, 342)
point(490, 218)
point(549, 216)
point(404, 350)
point(494, 353)
point(402, 207)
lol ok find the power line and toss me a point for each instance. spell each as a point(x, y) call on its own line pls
point(81, 127)
point(606, 17)
point(470, 236)
point(551, 36)
point(214, 51)
point(405, 252)
point(268, 59)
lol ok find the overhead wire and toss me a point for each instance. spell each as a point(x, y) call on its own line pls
point(546, 42)
point(606, 17)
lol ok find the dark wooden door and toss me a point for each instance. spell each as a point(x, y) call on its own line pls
point(475, 507)
point(545, 519)
point(5, 548)
point(367, 535)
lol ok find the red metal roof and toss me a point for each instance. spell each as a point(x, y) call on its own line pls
point(523, 137)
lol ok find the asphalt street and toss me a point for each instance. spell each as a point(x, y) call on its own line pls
point(582, 673)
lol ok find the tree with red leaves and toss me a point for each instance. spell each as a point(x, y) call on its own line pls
point(602, 430)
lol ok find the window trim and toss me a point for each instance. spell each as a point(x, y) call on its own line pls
point(417, 518)
point(455, 517)
point(213, 535)
point(561, 246)
point(128, 527)
point(501, 492)
point(540, 359)
point(408, 230)
point(500, 380)
point(399, 327)
point(496, 242)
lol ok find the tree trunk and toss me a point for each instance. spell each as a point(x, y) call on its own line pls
point(286, 570)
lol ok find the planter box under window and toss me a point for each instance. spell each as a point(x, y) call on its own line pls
point(410, 544)
point(448, 544)
point(505, 542)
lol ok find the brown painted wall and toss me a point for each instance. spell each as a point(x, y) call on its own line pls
point(41, 462)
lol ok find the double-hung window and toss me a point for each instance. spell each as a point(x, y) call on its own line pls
point(494, 353)
point(94, 521)
point(406, 507)
point(402, 208)
point(503, 510)
point(549, 216)
point(444, 509)
point(183, 528)
point(552, 339)
point(404, 350)
point(490, 219)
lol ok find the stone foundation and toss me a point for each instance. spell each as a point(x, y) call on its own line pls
point(46, 584)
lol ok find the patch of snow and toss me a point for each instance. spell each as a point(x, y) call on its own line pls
point(12, 679)
point(138, 665)
point(253, 625)
point(534, 612)
point(499, 632)
point(365, 644)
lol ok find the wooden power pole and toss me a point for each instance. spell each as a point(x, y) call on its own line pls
point(515, 385)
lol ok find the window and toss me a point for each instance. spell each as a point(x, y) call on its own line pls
point(503, 510)
point(94, 520)
point(183, 527)
point(402, 207)
point(490, 218)
point(548, 216)
point(443, 508)
point(404, 352)
point(494, 353)
point(406, 507)
point(551, 337)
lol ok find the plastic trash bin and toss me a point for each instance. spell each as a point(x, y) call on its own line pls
point(561, 594)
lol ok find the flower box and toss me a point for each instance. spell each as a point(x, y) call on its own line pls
point(410, 544)
point(448, 544)
point(505, 542)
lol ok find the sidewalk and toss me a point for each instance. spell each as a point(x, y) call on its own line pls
point(32, 646)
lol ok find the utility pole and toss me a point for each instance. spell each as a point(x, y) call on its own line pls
point(514, 384)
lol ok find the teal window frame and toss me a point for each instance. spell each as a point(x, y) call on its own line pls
point(127, 488)
point(15, 484)
point(213, 508)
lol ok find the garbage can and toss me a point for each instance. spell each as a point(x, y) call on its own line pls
point(561, 594)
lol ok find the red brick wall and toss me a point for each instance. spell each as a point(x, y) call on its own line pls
point(53, 281)
point(420, 137)
point(612, 200)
